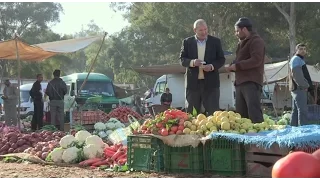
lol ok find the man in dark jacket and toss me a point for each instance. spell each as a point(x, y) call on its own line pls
point(202, 55)
point(249, 70)
point(166, 98)
point(56, 90)
point(299, 84)
point(37, 97)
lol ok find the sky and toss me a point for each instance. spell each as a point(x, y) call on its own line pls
point(77, 14)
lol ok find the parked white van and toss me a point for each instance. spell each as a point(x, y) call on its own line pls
point(26, 106)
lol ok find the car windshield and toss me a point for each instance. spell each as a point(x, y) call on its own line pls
point(24, 96)
point(96, 88)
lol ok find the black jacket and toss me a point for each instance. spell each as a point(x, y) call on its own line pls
point(35, 91)
point(56, 89)
point(213, 55)
point(166, 98)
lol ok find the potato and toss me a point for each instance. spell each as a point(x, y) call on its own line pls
point(33, 152)
point(44, 155)
point(16, 151)
point(11, 134)
point(21, 142)
point(24, 147)
point(28, 150)
point(49, 133)
point(47, 139)
point(38, 147)
point(10, 150)
point(34, 135)
point(55, 134)
point(13, 140)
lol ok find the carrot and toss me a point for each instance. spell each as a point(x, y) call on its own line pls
point(99, 163)
point(108, 153)
point(89, 162)
point(124, 155)
point(117, 154)
point(111, 148)
point(122, 161)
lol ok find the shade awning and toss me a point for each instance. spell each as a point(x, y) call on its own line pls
point(40, 52)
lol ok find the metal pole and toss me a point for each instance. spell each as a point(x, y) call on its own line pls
point(19, 68)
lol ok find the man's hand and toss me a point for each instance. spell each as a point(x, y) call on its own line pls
point(197, 62)
point(231, 68)
point(4, 97)
point(207, 68)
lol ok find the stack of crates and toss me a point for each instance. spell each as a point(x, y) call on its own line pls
point(145, 153)
point(224, 157)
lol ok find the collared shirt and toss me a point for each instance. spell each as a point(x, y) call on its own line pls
point(201, 43)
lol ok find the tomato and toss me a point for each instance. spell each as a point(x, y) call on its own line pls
point(159, 125)
point(181, 127)
point(179, 132)
point(181, 122)
point(172, 132)
point(296, 165)
point(144, 127)
point(316, 154)
point(164, 132)
point(174, 128)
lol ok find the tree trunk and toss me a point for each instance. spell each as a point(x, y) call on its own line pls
point(291, 19)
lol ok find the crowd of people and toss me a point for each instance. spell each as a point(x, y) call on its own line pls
point(55, 91)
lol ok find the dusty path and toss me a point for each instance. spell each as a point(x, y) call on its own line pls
point(29, 170)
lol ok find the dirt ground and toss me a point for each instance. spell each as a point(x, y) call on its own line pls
point(30, 170)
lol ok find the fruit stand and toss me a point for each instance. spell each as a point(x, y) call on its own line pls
point(171, 142)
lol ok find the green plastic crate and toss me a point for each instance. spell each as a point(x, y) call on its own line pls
point(184, 159)
point(145, 153)
point(224, 157)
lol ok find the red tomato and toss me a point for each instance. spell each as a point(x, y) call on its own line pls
point(144, 127)
point(159, 125)
point(179, 132)
point(181, 122)
point(164, 132)
point(296, 165)
point(316, 154)
point(171, 132)
point(174, 128)
point(181, 127)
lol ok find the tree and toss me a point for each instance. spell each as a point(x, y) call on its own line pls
point(291, 19)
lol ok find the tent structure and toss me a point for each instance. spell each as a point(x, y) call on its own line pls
point(16, 49)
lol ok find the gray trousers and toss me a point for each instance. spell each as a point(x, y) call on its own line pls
point(299, 114)
point(57, 112)
point(209, 98)
point(10, 115)
point(248, 97)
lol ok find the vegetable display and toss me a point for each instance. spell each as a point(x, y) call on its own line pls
point(121, 113)
point(177, 122)
point(103, 130)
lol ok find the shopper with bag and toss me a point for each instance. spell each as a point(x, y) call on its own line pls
point(56, 90)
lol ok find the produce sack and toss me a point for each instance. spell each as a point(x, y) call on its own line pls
point(120, 135)
point(180, 140)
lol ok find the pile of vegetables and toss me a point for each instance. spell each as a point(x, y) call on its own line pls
point(169, 122)
point(121, 113)
point(113, 156)
point(103, 130)
point(74, 149)
point(298, 165)
point(13, 141)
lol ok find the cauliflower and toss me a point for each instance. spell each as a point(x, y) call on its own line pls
point(56, 155)
point(81, 136)
point(96, 140)
point(92, 151)
point(102, 134)
point(109, 132)
point(67, 141)
point(110, 125)
point(99, 126)
point(71, 155)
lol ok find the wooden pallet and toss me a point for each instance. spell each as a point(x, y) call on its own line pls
point(260, 161)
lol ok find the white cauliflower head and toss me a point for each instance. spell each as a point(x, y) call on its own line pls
point(67, 141)
point(96, 140)
point(92, 151)
point(56, 155)
point(71, 155)
point(99, 126)
point(81, 136)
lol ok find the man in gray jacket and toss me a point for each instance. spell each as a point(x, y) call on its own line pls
point(299, 85)
point(56, 90)
point(10, 101)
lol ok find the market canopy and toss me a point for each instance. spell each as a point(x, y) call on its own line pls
point(40, 52)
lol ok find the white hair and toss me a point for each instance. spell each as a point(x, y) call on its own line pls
point(199, 22)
